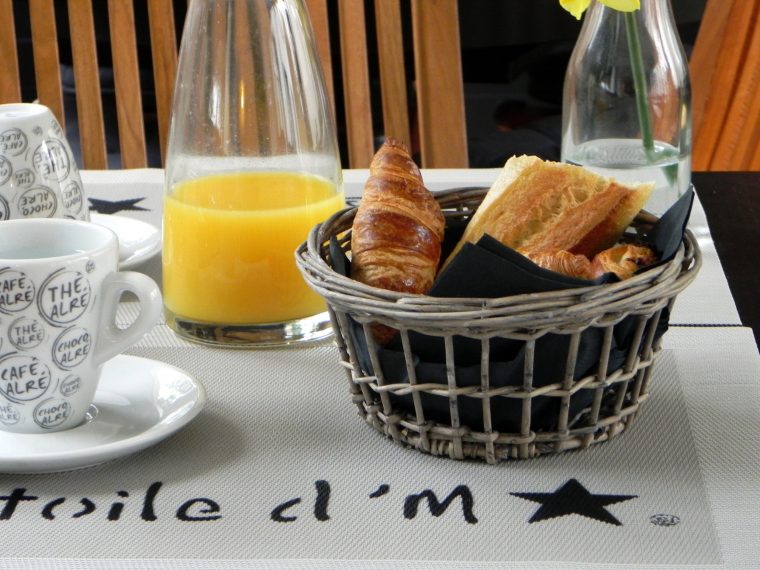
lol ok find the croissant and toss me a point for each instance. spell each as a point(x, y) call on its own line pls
point(398, 228)
point(536, 206)
point(622, 260)
point(570, 264)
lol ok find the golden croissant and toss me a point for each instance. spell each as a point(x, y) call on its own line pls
point(397, 232)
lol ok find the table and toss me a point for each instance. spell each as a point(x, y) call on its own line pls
point(732, 204)
point(277, 471)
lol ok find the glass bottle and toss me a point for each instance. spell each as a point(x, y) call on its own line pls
point(627, 100)
point(252, 165)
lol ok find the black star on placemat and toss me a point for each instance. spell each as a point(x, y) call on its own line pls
point(572, 498)
point(109, 207)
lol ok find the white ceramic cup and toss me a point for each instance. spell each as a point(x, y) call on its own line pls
point(59, 292)
point(38, 175)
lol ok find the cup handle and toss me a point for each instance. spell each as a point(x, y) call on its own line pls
point(112, 340)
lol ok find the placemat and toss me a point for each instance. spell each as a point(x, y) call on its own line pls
point(280, 467)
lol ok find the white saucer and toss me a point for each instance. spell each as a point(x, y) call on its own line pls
point(139, 402)
point(138, 240)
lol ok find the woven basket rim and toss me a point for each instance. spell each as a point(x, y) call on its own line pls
point(639, 291)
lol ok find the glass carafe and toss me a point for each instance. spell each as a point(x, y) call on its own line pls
point(252, 165)
point(627, 100)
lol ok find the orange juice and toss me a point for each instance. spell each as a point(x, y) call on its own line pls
point(229, 242)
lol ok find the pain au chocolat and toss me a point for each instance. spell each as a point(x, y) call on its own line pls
point(538, 207)
point(623, 260)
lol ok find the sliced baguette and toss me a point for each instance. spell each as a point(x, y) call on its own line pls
point(536, 206)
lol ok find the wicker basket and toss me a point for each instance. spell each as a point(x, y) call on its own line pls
point(465, 410)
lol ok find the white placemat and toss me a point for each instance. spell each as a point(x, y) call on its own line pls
point(136, 193)
point(292, 473)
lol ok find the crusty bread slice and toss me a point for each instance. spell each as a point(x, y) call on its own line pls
point(535, 206)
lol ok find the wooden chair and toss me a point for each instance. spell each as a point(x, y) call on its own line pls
point(432, 117)
point(424, 108)
point(725, 72)
point(89, 102)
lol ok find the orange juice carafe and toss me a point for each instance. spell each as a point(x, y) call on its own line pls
point(252, 165)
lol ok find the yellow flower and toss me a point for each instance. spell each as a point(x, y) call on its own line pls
point(577, 7)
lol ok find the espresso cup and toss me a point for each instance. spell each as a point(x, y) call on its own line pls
point(59, 293)
point(38, 175)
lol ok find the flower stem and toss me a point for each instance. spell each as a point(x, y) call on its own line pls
point(642, 103)
point(639, 81)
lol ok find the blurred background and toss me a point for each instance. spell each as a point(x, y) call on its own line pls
point(514, 55)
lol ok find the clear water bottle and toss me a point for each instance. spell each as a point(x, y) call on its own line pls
point(627, 100)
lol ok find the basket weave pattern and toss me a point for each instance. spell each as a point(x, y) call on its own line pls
point(612, 397)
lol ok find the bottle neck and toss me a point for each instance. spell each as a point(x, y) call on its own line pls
point(652, 12)
point(608, 29)
point(645, 5)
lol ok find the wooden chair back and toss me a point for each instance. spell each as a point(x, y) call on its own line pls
point(89, 101)
point(424, 108)
point(725, 73)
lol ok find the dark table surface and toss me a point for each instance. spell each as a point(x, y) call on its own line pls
point(731, 201)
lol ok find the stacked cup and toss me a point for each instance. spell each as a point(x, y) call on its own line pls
point(38, 175)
